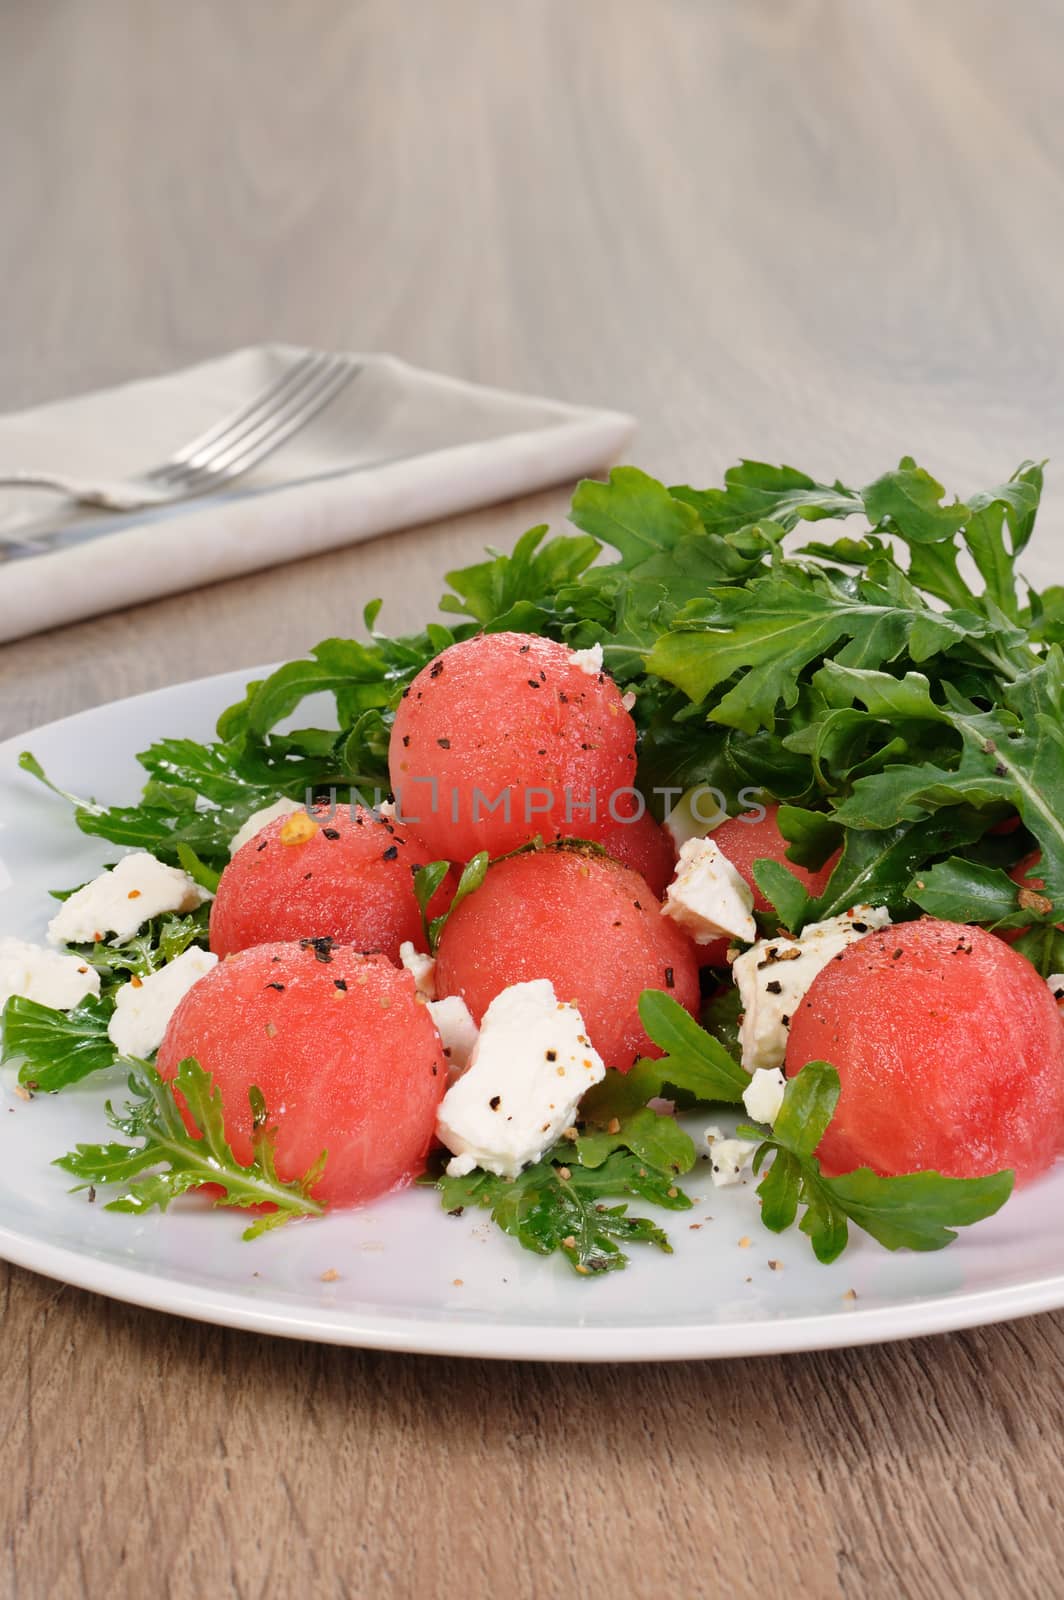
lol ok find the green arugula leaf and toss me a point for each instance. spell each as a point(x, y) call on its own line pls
point(967, 891)
point(57, 1048)
point(755, 491)
point(789, 897)
point(909, 501)
point(918, 1211)
point(473, 874)
point(693, 1060)
point(553, 1206)
point(171, 1160)
point(773, 629)
point(657, 1140)
point(634, 513)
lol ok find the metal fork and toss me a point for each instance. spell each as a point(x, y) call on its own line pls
point(225, 452)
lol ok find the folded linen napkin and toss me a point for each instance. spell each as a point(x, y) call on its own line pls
point(398, 446)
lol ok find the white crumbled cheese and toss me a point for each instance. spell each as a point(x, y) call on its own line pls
point(709, 897)
point(763, 1095)
point(1056, 987)
point(698, 811)
point(457, 1030)
point(728, 1157)
point(388, 810)
point(259, 819)
point(143, 1008)
point(775, 975)
point(589, 660)
point(35, 973)
point(531, 1065)
point(122, 901)
point(421, 967)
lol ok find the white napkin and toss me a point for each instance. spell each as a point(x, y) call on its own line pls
point(337, 482)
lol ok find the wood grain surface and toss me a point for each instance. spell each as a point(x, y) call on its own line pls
point(822, 232)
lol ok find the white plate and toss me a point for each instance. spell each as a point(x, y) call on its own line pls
point(411, 1278)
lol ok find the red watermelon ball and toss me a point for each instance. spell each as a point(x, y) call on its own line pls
point(749, 838)
point(346, 1056)
point(342, 874)
point(589, 924)
point(510, 719)
point(949, 1050)
point(645, 846)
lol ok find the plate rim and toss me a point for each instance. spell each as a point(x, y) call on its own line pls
point(428, 1334)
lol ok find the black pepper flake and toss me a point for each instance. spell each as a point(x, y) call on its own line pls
point(307, 875)
point(435, 669)
point(637, 905)
point(330, 833)
point(563, 697)
point(775, 987)
point(278, 986)
point(533, 683)
point(860, 927)
point(785, 1019)
point(1000, 769)
point(392, 853)
point(670, 978)
point(444, 744)
point(405, 692)
point(523, 649)
point(322, 946)
point(341, 983)
point(543, 677)
point(552, 1055)
point(92, 1193)
point(263, 845)
point(495, 1102)
point(457, 1212)
point(406, 740)
point(897, 955)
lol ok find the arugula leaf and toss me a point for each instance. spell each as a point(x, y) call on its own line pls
point(775, 627)
point(57, 1048)
point(693, 1061)
point(473, 874)
point(634, 513)
point(554, 1206)
point(755, 491)
point(967, 891)
point(909, 500)
point(918, 1211)
point(656, 1140)
point(171, 1160)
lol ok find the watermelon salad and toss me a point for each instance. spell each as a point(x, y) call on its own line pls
point(693, 849)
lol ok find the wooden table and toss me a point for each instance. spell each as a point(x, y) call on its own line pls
point(817, 232)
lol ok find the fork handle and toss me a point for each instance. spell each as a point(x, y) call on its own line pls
point(111, 497)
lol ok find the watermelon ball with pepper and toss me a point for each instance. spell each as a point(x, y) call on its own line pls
point(337, 873)
point(505, 736)
point(342, 1049)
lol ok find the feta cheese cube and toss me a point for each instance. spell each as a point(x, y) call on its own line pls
point(259, 819)
point(709, 896)
point(529, 1069)
point(457, 1030)
point(421, 967)
point(589, 660)
point(143, 1007)
point(728, 1157)
point(775, 975)
point(763, 1095)
point(35, 973)
point(122, 901)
